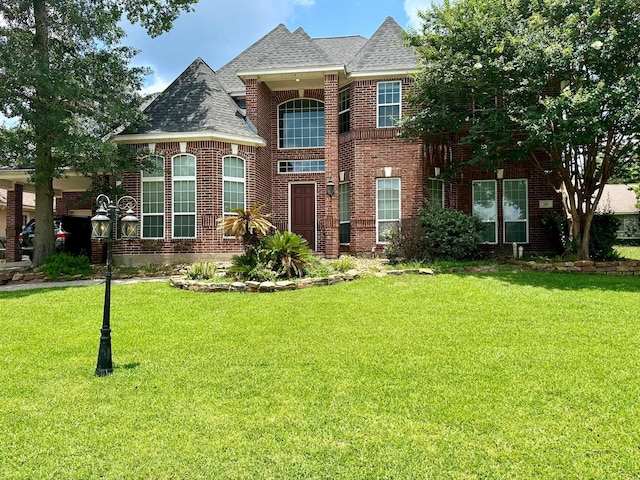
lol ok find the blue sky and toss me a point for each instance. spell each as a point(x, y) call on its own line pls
point(217, 30)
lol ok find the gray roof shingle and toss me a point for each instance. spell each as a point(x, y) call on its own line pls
point(196, 102)
point(385, 50)
point(281, 48)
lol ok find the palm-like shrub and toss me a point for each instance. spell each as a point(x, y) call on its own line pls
point(287, 253)
point(250, 266)
point(249, 226)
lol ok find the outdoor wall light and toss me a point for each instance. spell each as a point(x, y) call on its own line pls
point(101, 229)
point(331, 188)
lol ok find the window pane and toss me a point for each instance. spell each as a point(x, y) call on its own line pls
point(233, 196)
point(184, 226)
point(515, 200)
point(485, 207)
point(153, 226)
point(343, 202)
point(436, 192)
point(301, 124)
point(156, 169)
point(233, 167)
point(184, 166)
point(388, 207)
point(345, 233)
point(389, 99)
point(515, 232)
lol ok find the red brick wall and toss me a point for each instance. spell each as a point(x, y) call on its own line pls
point(459, 193)
point(209, 240)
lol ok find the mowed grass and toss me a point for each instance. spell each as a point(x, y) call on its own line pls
point(510, 375)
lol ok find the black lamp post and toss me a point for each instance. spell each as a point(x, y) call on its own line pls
point(102, 229)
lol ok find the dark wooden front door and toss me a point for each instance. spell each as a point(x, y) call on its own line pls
point(303, 211)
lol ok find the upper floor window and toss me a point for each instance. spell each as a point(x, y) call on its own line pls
point(344, 111)
point(389, 100)
point(152, 224)
point(233, 181)
point(183, 174)
point(301, 124)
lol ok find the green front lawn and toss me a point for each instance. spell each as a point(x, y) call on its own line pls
point(501, 376)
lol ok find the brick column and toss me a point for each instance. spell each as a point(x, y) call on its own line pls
point(331, 218)
point(14, 223)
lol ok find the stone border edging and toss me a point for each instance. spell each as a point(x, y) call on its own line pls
point(265, 287)
point(614, 268)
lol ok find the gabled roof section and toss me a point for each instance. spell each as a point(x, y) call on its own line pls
point(196, 103)
point(294, 50)
point(341, 49)
point(249, 58)
point(384, 52)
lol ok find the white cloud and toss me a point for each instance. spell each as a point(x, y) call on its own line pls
point(154, 84)
point(411, 8)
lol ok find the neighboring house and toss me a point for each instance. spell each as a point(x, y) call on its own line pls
point(307, 126)
point(28, 209)
point(621, 201)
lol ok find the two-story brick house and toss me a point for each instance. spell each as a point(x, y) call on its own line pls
point(307, 126)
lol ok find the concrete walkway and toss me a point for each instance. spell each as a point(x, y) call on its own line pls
point(77, 283)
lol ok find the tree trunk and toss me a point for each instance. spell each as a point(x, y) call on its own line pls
point(44, 239)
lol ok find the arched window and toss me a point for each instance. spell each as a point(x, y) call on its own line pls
point(301, 124)
point(233, 181)
point(183, 173)
point(153, 198)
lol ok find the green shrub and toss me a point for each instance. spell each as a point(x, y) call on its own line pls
point(287, 253)
point(202, 271)
point(59, 264)
point(556, 228)
point(250, 266)
point(439, 234)
point(603, 237)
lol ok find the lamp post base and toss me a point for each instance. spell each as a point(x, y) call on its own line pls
point(104, 366)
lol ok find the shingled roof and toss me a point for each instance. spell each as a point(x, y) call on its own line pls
point(196, 102)
point(385, 51)
point(280, 48)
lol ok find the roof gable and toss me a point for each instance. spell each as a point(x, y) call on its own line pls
point(294, 50)
point(385, 51)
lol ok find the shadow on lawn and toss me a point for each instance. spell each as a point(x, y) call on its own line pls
point(568, 281)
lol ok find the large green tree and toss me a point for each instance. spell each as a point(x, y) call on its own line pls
point(69, 82)
point(518, 79)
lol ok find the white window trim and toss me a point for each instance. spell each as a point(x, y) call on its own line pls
point(144, 179)
point(378, 104)
point(341, 222)
point(442, 196)
point(399, 207)
point(526, 221)
point(242, 180)
point(301, 173)
point(278, 123)
point(497, 220)
point(195, 190)
point(348, 109)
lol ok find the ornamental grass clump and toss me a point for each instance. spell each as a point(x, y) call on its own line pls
point(202, 271)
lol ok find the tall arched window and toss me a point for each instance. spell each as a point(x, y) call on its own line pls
point(233, 181)
point(301, 123)
point(183, 173)
point(153, 198)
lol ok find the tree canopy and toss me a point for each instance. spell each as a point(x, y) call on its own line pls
point(514, 77)
point(68, 80)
